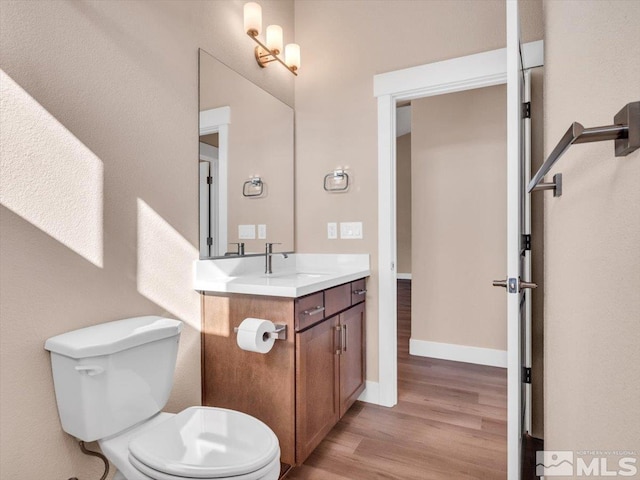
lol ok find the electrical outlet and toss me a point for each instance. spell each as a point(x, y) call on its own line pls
point(332, 230)
point(351, 230)
point(246, 232)
point(262, 232)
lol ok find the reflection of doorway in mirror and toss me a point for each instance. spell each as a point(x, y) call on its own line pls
point(209, 187)
point(214, 129)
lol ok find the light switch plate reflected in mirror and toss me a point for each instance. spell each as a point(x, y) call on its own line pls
point(247, 232)
point(262, 232)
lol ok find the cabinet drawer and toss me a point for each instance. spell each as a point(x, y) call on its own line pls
point(309, 310)
point(358, 291)
point(337, 299)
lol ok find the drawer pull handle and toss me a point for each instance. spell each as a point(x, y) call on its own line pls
point(360, 292)
point(313, 311)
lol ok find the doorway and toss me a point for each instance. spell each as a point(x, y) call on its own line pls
point(464, 73)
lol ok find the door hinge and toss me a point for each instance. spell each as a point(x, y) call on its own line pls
point(526, 110)
point(526, 375)
point(209, 241)
point(526, 242)
point(209, 180)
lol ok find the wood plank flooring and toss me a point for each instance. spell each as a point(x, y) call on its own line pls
point(449, 423)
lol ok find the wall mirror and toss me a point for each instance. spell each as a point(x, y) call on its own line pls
point(246, 164)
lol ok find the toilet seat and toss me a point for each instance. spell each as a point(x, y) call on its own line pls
point(206, 443)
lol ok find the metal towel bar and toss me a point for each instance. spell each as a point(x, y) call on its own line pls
point(625, 132)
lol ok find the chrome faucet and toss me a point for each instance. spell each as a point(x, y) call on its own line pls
point(239, 252)
point(268, 253)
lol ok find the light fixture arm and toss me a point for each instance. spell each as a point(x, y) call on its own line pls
point(265, 56)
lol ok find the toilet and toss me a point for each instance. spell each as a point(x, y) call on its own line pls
point(112, 381)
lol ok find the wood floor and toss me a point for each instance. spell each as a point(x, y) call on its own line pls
point(449, 423)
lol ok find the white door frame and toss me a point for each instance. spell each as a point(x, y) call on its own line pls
point(217, 120)
point(448, 76)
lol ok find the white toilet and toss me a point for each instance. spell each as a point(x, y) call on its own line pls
point(112, 381)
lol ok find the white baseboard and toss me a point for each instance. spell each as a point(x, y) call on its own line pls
point(371, 393)
point(458, 353)
point(404, 276)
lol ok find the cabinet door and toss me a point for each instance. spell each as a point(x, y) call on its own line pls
point(352, 358)
point(316, 385)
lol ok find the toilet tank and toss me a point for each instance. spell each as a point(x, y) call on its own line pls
point(111, 376)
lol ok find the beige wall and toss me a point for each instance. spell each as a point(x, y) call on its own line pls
point(403, 199)
point(99, 189)
point(592, 232)
point(459, 181)
point(344, 44)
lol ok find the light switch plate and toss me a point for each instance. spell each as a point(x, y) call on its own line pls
point(351, 230)
point(332, 230)
point(262, 232)
point(246, 232)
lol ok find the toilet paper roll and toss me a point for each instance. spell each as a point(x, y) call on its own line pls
point(253, 335)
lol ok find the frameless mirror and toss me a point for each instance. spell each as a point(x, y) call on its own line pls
point(246, 164)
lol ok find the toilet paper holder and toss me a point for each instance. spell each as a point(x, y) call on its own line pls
point(280, 332)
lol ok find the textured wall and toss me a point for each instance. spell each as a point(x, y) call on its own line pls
point(99, 189)
point(592, 232)
point(345, 43)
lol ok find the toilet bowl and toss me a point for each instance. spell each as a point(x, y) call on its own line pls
point(111, 382)
point(198, 443)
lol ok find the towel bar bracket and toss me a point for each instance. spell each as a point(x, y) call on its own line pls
point(556, 185)
point(629, 115)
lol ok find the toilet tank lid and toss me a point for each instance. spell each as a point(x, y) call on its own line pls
point(112, 337)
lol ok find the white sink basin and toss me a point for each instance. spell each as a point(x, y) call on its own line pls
point(295, 276)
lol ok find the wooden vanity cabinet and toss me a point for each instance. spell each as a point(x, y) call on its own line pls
point(330, 367)
point(306, 383)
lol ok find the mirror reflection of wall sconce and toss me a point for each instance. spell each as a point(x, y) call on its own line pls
point(254, 187)
point(336, 181)
point(265, 54)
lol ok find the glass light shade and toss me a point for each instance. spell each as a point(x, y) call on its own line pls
point(274, 38)
point(292, 55)
point(252, 17)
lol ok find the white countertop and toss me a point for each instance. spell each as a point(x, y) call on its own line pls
point(295, 276)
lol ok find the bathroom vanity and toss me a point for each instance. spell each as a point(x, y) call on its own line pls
point(306, 382)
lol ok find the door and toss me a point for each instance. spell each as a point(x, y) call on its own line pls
point(352, 366)
point(516, 283)
point(205, 194)
point(317, 379)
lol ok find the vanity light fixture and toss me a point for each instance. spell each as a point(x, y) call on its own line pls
point(269, 52)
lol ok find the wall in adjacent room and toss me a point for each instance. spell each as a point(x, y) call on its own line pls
point(459, 184)
point(403, 205)
point(99, 192)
